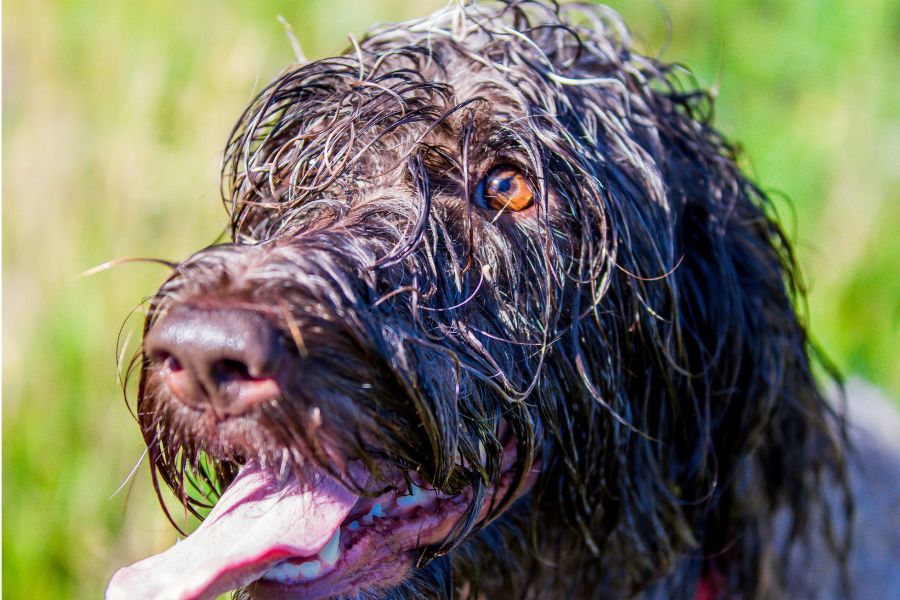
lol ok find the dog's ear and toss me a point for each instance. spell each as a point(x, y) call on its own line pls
point(698, 416)
point(759, 434)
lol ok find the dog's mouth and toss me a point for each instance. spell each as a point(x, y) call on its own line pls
point(283, 538)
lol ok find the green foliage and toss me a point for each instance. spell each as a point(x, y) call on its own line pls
point(114, 117)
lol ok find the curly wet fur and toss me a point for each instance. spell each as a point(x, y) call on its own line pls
point(636, 333)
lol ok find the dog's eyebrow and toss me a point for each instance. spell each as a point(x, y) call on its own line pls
point(419, 139)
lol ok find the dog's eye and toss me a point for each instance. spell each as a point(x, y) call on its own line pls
point(504, 188)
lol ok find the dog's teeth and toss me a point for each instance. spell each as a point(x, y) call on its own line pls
point(289, 572)
point(310, 569)
point(419, 497)
point(332, 551)
point(283, 572)
point(376, 511)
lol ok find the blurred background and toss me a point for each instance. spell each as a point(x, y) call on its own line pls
point(114, 116)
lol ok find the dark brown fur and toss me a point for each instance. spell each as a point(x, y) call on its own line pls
point(637, 332)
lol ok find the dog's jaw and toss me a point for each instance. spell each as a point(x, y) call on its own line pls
point(373, 548)
point(283, 538)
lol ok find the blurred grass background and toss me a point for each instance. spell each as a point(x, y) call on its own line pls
point(114, 115)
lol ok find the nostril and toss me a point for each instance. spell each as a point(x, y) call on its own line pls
point(173, 374)
point(238, 387)
point(167, 361)
point(171, 363)
point(227, 370)
point(163, 359)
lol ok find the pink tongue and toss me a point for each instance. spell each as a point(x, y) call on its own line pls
point(257, 522)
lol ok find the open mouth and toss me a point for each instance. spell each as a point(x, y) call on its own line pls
point(372, 547)
point(287, 539)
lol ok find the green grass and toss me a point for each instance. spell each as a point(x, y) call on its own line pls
point(114, 117)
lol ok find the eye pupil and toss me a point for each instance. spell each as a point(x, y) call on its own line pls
point(505, 188)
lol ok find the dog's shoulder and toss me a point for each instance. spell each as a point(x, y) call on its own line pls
point(875, 479)
point(874, 465)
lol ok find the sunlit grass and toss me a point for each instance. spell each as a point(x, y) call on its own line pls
point(114, 117)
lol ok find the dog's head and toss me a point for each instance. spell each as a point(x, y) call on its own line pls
point(501, 312)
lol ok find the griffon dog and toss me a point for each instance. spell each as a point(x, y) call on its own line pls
point(501, 318)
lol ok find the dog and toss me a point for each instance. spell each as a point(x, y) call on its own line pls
point(501, 317)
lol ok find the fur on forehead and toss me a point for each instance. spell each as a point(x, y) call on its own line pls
point(467, 87)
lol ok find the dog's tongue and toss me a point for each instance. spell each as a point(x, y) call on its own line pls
point(257, 522)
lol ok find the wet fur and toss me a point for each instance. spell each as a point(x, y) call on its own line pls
point(637, 333)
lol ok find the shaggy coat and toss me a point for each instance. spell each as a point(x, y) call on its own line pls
point(614, 379)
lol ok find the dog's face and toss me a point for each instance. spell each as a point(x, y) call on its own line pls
point(498, 298)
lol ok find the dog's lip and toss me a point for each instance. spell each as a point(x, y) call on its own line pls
point(377, 540)
point(372, 548)
point(313, 540)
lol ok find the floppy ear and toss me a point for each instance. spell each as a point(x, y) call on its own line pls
point(693, 415)
point(772, 434)
point(767, 433)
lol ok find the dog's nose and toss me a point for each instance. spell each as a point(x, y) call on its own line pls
point(222, 358)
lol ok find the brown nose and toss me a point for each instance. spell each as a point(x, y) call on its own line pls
point(221, 358)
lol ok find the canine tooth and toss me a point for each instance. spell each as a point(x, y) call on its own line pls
point(310, 569)
point(332, 550)
point(376, 511)
point(419, 497)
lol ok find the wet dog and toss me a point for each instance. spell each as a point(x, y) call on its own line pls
point(502, 317)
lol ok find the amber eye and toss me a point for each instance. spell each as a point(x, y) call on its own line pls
point(504, 188)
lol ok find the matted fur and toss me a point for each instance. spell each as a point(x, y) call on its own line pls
point(636, 331)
